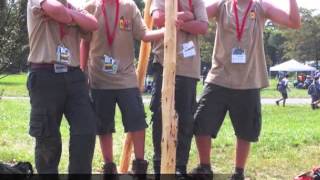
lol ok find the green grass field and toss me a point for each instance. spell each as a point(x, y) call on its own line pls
point(15, 85)
point(289, 142)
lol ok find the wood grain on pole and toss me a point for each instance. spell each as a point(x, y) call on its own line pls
point(141, 72)
point(169, 117)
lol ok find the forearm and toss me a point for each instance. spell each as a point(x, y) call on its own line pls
point(294, 14)
point(153, 35)
point(57, 11)
point(84, 20)
point(195, 27)
point(84, 54)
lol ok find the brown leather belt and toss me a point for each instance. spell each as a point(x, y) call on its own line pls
point(47, 66)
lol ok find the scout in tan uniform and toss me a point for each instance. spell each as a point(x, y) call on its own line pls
point(238, 73)
point(112, 75)
point(192, 21)
point(57, 86)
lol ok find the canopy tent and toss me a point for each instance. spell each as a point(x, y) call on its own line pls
point(292, 66)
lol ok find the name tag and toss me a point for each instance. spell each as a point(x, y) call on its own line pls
point(188, 49)
point(63, 54)
point(238, 56)
point(110, 65)
point(60, 68)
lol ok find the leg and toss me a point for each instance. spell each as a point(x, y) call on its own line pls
point(204, 149)
point(81, 151)
point(47, 97)
point(47, 155)
point(81, 118)
point(242, 152)
point(211, 110)
point(245, 114)
point(106, 147)
point(185, 98)
point(133, 118)
point(138, 143)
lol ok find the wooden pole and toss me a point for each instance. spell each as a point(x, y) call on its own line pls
point(145, 49)
point(144, 55)
point(169, 117)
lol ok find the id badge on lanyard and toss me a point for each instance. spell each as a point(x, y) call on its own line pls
point(238, 56)
point(188, 49)
point(63, 55)
point(110, 65)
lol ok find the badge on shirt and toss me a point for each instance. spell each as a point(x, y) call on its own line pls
point(124, 24)
point(60, 68)
point(238, 56)
point(110, 65)
point(188, 49)
point(63, 54)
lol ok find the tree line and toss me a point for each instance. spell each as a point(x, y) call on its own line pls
point(280, 44)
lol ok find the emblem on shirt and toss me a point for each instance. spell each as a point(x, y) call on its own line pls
point(124, 24)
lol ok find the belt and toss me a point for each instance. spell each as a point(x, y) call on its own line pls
point(47, 67)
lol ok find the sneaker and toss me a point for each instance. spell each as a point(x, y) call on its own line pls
point(237, 177)
point(110, 168)
point(277, 102)
point(202, 171)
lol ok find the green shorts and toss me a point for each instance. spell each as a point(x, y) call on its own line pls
point(130, 104)
point(244, 110)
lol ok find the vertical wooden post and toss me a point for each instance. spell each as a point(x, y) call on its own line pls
point(141, 72)
point(169, 117)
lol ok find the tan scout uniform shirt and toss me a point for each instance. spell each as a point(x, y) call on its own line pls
point(188, 67)
point(44, 36)
point(252, 74)
point(130, 26)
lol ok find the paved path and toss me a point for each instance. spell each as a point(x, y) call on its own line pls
point(146, 100)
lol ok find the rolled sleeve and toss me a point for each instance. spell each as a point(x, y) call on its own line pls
point(200, 11)
point(139, 26)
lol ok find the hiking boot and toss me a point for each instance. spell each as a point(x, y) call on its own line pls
point(277, 102)
point(139, 166)
point(110, 168)
point(202, 172)
point(237, 177)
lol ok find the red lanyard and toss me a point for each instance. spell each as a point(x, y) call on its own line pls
point(110, 35)
point(61, 26)
point(190, 5)
point(235, 8)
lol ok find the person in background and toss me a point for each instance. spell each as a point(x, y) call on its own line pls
point(237, 74)
point(57, 86)
point(283, 88)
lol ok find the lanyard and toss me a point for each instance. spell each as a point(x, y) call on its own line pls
point(110, 35)
point(62, 32)
point(235, 8)
point(190, 5)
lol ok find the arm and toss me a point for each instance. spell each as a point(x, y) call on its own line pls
point(291, 19)
point(152, 35)
point(86, 21)
point(158, 17)
point(212, 9)
point(193, 27)
point(56, 10)
point(84, 54)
